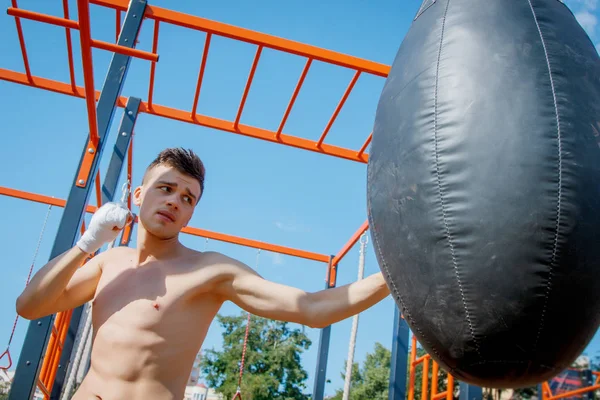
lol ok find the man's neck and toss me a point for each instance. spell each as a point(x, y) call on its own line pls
point(151, 247)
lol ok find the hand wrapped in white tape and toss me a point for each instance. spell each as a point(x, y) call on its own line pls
point(105, 225)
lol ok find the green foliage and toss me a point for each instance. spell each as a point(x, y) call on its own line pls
point(370, 382)
point(595, 362)
point(4, 390)
point(272, 369)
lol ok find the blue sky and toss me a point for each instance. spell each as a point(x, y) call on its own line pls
point(254, 189)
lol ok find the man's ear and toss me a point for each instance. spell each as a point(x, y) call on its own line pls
point(137, 196)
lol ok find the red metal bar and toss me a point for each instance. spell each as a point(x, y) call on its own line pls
point(98, 190)
point(256, 244)
point(117, 25)
point(153, 65)
point(189, 230)
point(365, 145)
point(69, 46)
point(43, 389)
point(49, 19)
point(339, 107)
point(22, 43)
point(574, 393)
point(38, 198)
point(257, 38)
point(247, 88)
point(251, 131)
point(83, 9)
point(130, 169)
point(144, 55)
point(184, 116)
point(293, 99)
point(351, 242)
point(201, 74)
point(331, 277)
point(68, 23)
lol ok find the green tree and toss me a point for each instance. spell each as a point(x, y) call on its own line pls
point(372, 380)
point(272, 367)
point(596, 362)
point(4, 390)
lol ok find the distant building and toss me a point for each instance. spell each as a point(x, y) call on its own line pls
point(201, 392)
point(193, 380)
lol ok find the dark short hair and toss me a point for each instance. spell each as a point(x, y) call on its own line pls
point(184, 161)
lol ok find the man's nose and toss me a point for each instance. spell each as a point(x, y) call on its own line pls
point(173, 203)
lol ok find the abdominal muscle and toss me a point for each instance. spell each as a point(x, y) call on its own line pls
point(137, 358)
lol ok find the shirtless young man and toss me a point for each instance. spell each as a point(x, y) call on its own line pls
point(152, 305)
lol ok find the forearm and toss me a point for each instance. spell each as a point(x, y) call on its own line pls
point(49, 282)
point(333, 305)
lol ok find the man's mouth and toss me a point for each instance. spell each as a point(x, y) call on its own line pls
point(167, 215)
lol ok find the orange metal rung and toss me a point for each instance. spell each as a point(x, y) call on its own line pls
point(69, 45)
point(70, 24)
point(253, 37)
point(43, 389)
point(294, 96)
point(22, 44)
point(247, 88)
point(548, 395)
point(184, 116)
point(153, 65)
point(365, 145)
point(363, 228)
point(338, 108)
point(189, 230)
point(425, 360)
point(83, 10)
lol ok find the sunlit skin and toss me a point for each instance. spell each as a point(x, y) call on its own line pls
point(153, 304)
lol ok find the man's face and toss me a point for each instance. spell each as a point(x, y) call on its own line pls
point(167, 199)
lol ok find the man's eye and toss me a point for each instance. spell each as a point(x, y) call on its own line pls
point(166, 188)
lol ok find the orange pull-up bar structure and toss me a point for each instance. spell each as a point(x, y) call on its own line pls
point(49, 341)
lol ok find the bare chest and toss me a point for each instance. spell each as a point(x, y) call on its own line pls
point(148, 298)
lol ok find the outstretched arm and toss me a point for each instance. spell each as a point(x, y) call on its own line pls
point(259, 296)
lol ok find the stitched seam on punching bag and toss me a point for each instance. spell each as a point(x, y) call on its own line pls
point(439, 182)
point(394, 288)
point(558, 205)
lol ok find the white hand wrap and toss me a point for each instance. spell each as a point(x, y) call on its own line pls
point(102, 227)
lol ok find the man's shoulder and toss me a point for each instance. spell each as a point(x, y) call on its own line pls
point(225, 262)
point(112, 254)
point(214, 257)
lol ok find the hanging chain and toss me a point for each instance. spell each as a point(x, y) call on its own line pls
point(238, 394)
point(35, 254)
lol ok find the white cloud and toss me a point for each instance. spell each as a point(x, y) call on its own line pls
point(587, 20)
point(291, 227)
point(277, 258)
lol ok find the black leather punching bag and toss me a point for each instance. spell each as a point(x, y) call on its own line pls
point(484, 187)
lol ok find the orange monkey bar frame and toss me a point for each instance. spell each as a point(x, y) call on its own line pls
point(91, 96)
point(414, 363)
point(548, 395)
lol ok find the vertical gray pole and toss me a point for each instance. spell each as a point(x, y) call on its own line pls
point(28, 367)
point(399, 366)
point(470, 392)
point(109, 188)
point(321, 371)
